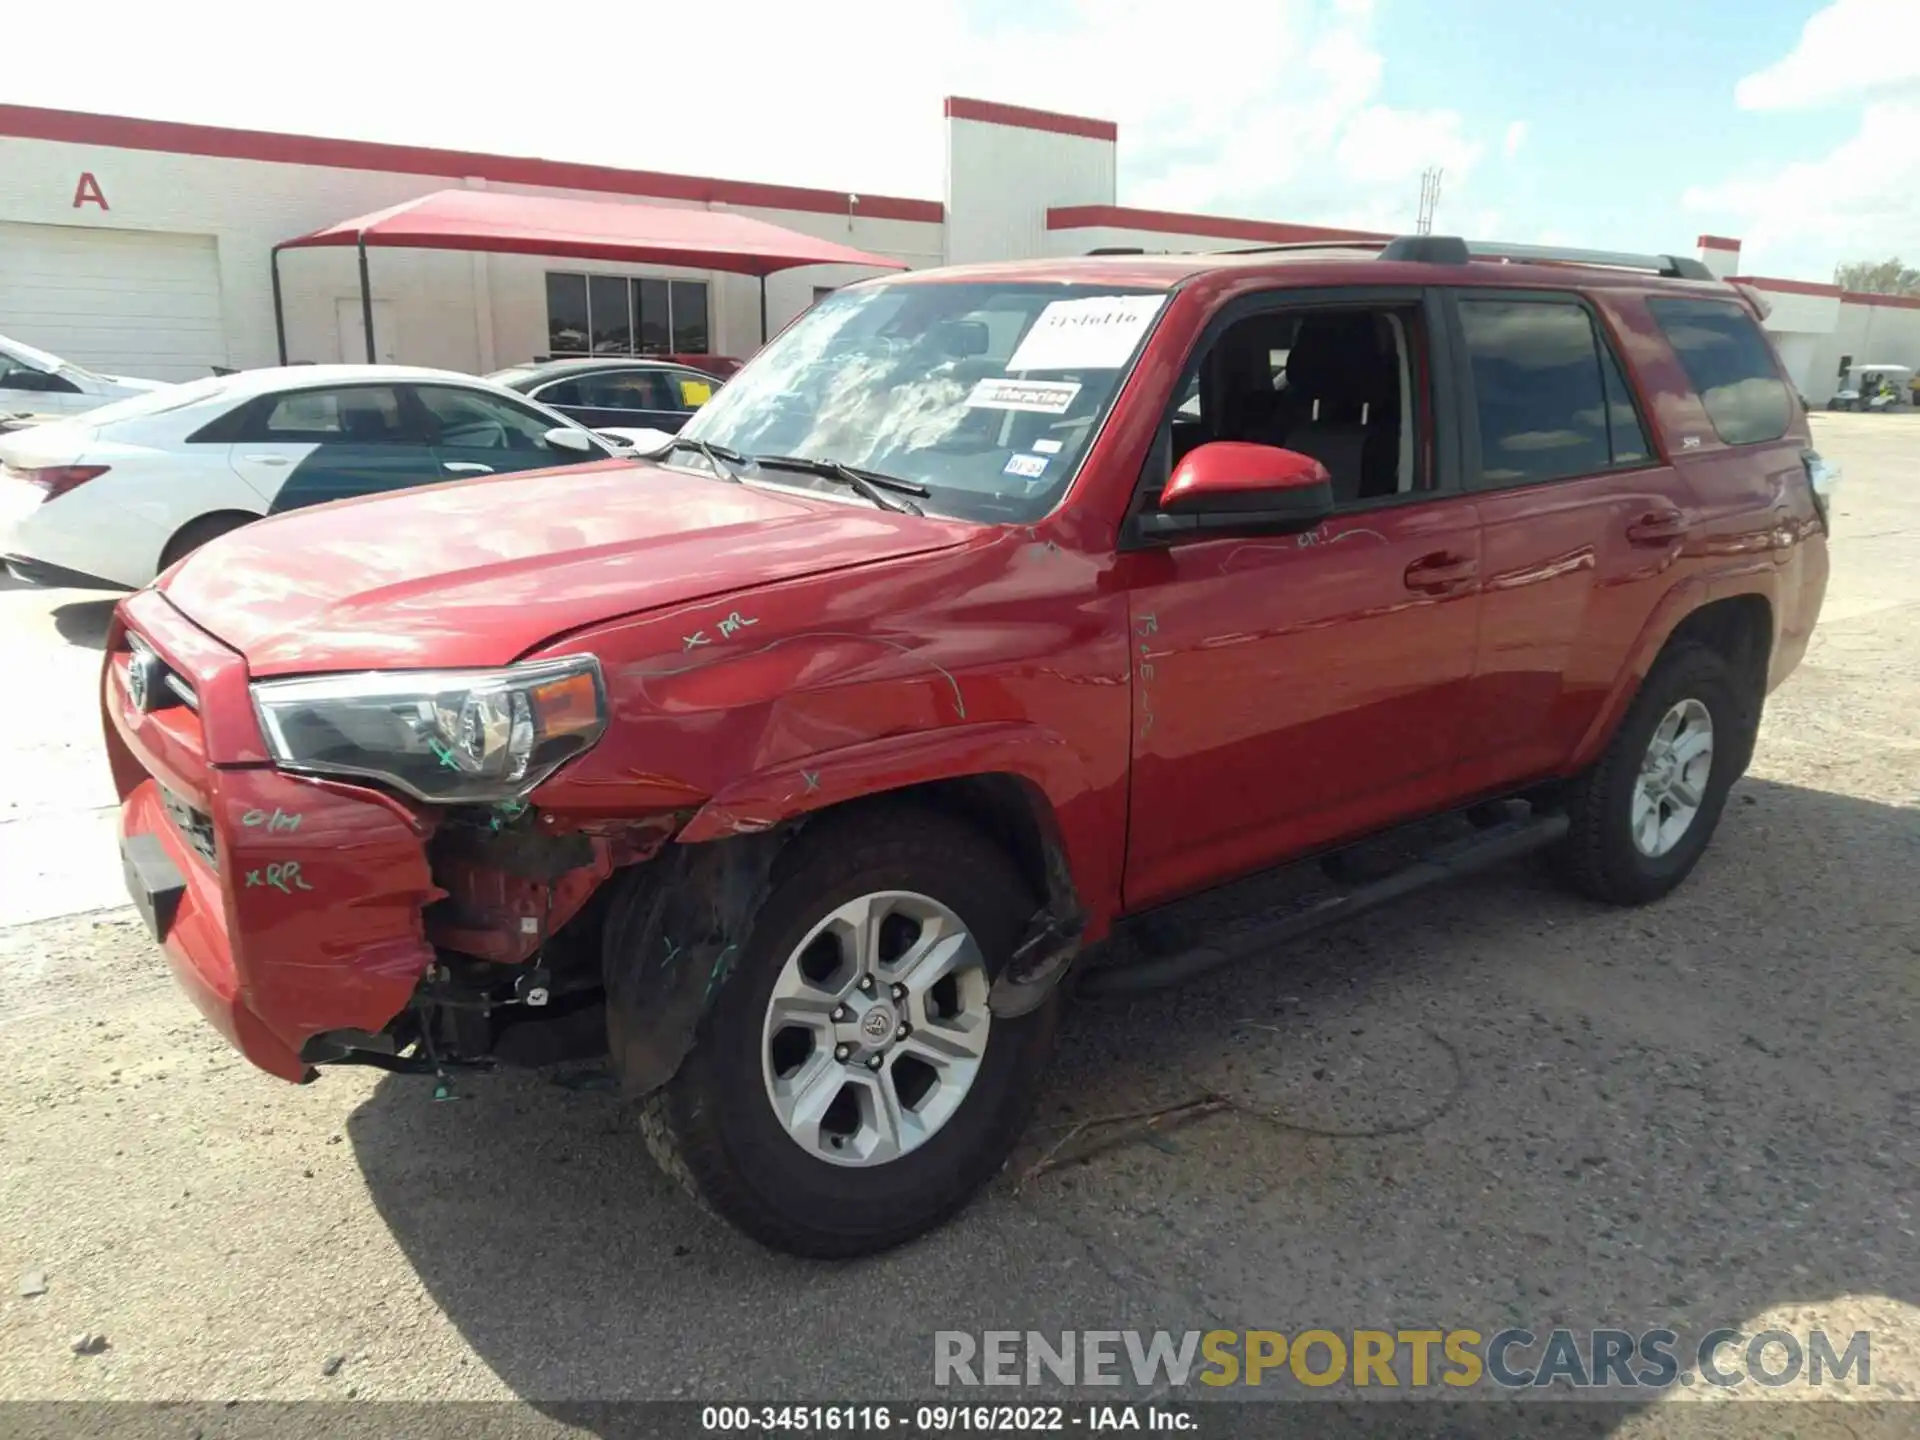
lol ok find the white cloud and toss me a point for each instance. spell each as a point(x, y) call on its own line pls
point(1288, 119)
point(1862, 199)
point(1515, 137)
point(1851, 49)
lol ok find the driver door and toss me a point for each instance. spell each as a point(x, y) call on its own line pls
point(1294, 690)
point(474, 432)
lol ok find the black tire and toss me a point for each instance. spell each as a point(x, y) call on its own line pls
point(713, 1127)
point(195, 533)
point(1599, 856)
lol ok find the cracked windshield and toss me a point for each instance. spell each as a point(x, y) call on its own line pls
point(986, 394)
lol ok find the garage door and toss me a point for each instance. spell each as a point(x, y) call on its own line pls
point(129, 302)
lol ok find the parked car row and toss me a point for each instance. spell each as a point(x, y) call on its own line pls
point(110, 497)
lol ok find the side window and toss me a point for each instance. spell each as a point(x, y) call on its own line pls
point(351, 415)
point(1731, 367)
point(1625, 433)
point(15, 376)
point(627, 390)
point(1538, 391)
point(1334, 384)
point(560, 392)
point(471, 420)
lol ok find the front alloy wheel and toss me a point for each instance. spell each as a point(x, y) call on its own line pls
point(849, 1088)
point(876, 1028)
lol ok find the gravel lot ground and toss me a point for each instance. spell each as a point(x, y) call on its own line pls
point(1699, 1113)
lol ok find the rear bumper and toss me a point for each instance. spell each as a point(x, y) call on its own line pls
point(299, 907)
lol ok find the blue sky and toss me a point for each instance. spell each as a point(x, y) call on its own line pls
point(1626, 105)
point(1790, 124)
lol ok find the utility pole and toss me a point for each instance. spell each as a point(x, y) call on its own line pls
point(1429, 199)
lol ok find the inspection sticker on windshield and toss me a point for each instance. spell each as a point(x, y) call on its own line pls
point(1044, 397)
point(1097, 333)
point(1027, 467)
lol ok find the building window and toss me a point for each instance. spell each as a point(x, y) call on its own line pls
point(622, 315)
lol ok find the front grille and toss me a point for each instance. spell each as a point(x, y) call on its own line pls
point(195, 826)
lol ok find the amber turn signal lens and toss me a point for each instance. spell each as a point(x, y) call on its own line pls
point(566, 706)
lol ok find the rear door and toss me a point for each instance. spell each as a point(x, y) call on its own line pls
point(475, 432)
point(306, 447)
point(1581, 520)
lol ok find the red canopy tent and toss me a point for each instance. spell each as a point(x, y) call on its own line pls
point(582, 229)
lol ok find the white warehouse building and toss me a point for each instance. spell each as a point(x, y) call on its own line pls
point(146, 247)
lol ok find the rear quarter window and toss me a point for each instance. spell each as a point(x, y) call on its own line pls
point(1730, 365)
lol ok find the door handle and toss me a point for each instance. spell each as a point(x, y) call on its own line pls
point(465, 467)
point(266, 459)
point(1441, 572)
point(1658, 527)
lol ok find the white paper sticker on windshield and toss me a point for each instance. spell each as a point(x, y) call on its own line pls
point(1098, 333)
point(1044, 397)
point(1046, 447)
point(1027, 467)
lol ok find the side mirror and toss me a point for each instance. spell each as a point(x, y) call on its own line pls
point(565, 437)
point(1232, 486)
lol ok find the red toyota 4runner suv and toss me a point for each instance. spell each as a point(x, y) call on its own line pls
point(987, 611)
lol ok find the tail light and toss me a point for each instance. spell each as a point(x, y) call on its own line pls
point(57, 480)
point(1821, 480)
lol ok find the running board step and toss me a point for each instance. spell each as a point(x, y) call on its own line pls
point(1447, 862)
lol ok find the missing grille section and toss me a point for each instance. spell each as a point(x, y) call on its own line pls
point(195, 826)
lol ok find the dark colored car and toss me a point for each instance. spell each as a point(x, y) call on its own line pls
point(615, 394)
point(812, 766)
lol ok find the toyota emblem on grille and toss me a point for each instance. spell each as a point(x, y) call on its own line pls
point(143, 673)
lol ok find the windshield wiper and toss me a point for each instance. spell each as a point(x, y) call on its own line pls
point(725, 462)
point(872, 485)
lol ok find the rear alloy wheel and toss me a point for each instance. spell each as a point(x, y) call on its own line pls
point(1642, 815)
point(1673, 779)
point(849, 1088)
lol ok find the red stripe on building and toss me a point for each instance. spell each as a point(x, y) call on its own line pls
point(1218, 227)
point(1787, 287)
point(126, 133)
point(1021, 118)
point(1867, 297)
point(1717, 242)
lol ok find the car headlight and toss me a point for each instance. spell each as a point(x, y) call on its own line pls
point(445, 736)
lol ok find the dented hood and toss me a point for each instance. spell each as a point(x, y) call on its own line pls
point(479, 572)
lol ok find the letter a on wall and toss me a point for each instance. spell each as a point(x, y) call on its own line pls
point(89, 190)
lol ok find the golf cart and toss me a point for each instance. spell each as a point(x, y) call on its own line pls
point(1872, 387)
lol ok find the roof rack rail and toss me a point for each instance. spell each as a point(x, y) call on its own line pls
point(1452, 250)
point(1304, 245)
point(1116, 250)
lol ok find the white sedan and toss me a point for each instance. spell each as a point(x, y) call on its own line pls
point(109, 499)
point(32, 382)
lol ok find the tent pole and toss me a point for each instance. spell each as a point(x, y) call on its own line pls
point(763, 309)
point(279, 310)
point(366, 300)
